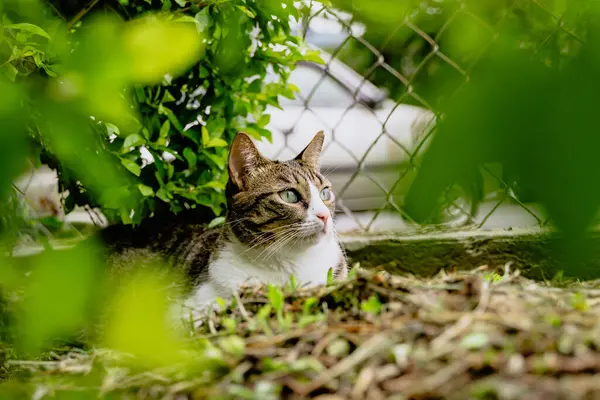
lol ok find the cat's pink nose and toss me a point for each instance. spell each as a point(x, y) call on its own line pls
point(323, 217)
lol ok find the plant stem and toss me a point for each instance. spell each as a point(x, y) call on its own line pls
point(82, 13)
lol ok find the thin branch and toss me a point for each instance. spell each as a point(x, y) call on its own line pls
point(53, 7)
point(82, 13)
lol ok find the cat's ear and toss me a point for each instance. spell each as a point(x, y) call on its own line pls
point(244, 157)
point(311, 155)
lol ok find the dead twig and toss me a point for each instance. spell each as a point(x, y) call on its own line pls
point(368, 349)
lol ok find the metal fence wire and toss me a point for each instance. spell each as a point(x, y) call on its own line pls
point(373, 98)
point(370, 195)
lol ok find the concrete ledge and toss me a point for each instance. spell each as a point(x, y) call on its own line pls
point(536, 252)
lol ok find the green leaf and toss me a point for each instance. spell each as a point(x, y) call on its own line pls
point(275, 296)
point(307, 308)
point(34, 29)
point(216, 222)
point(205, 135)
point(203, 19)
point(190, 156)
point(246, 11)
point(186, 18)
point(293, 87)
point(55, 297)
point(330, 279)
point(132, 166)
point(214, 185)
point(264, 120)
point(163, 195)
point(125, 215)
point(372, 306)
point(216, 142)
point(579, 301)
point(293, 283)
point(146, 190)
point(168, 97)
point(353, 271)
point(203, 72)
point(157, 47)
point(181, 3)
point(314, 56)
point(258, 133)
point(306, 320)
point(140, 305)
point(133, 140)
point(221, 302)
point(164, 129)
point(166, 111)
point(112, 129)
point(9, 71)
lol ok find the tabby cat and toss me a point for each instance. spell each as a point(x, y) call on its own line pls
point(279, 224)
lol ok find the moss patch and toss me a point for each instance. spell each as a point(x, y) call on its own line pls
point(538, 256)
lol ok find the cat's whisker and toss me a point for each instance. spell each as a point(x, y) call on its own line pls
point(265, 236)
point(281, 241)
point(300, 235)
point(276, 242)
point(330, 170)
point(273, 249)
point(296, 235)
point(280, 228)
point(235, 222)
point(264, 240)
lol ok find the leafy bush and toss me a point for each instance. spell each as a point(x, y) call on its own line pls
point(95, 88)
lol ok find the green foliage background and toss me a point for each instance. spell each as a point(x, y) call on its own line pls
point(144, 84)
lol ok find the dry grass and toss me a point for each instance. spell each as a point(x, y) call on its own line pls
point(463, 335)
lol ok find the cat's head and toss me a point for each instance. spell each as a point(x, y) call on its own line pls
point(278, 201)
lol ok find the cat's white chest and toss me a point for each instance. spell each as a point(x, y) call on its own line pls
point(309, 265)
point(235, 266)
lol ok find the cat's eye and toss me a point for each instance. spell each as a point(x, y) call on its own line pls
point(289, 196)
point(326, 194)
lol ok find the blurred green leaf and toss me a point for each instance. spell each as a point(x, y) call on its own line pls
point(138, 321)
point(158, 47)
point(372, 305)
point(190, 156)
point(264, 120)
point(146, 190)
point(133, 140)
point(13, 135)
point(132, 166)
point(330, 279)
point(275, 296)
point(246, 11)
point(216, 142)
point(36, 30)
point(58, 296)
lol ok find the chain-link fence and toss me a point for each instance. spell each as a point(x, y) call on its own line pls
point(377, 96)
